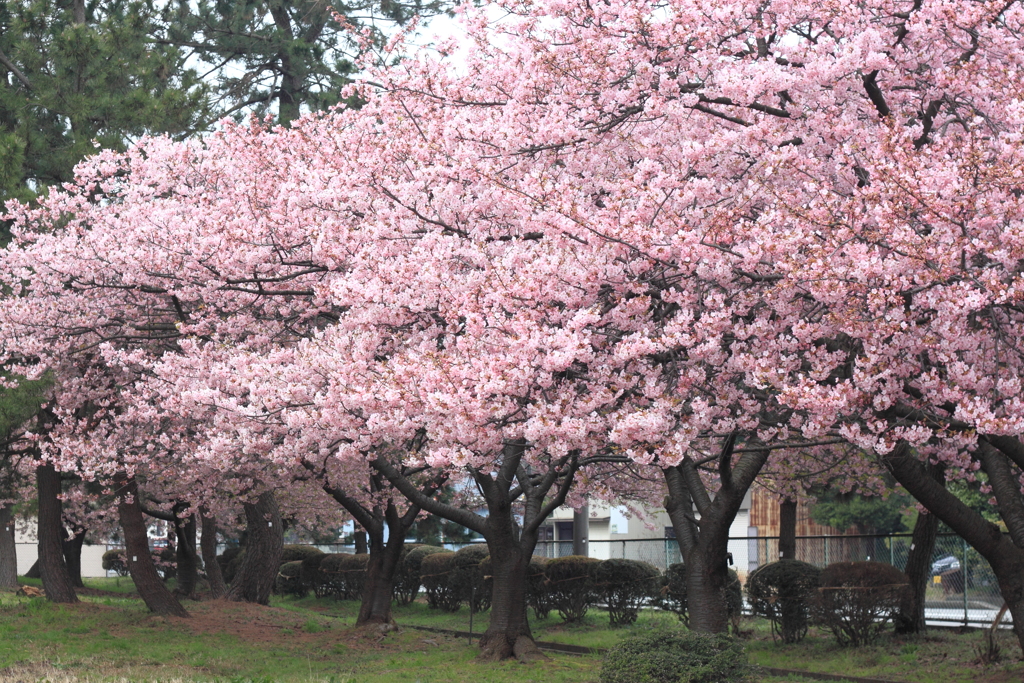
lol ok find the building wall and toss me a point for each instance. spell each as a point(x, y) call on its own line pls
point(28, 551)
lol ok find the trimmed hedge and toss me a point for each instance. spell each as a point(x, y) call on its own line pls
point(435, 574)
point(310, 574)
point(673, 656)
point(673, 593)
point(857, 600)
point(115, 561)
point(298, 553)
point(407, 577)
point(341, 576)
point(783, 592)
point(538, 596)
point(627, 585)
point(570, 582)
point(468, 577)
point(289, 580)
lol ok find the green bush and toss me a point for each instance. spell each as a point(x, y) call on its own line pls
point(407, 577)
point(570, 582)
point(310, 574)
point(857, 600)
point(115, 561)
point(783, 593)
point(341, 576)
point(289, 580)
point(672, 656)
point(626, 586)
point(435, 573)
point(230, 561)
point(537, 594)
point(673, 593)
point(467, 577)
point(297, 553)
point(353, 575)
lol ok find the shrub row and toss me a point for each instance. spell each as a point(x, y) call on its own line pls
point(855, 600)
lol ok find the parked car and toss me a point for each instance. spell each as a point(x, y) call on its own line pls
point(945, 564)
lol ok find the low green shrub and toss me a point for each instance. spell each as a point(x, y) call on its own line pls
point(537, 594)
point(407, 577)
point(857, 600)
point(672, 656)
point(289, 580)
point(626, 585)
point(115, 561)
point(435, 574)
point(673, 593)
point(341, 576)
point(570, 583)
point(468, 577)
point(783, 593)
point(297, 553)
point(310, 572)
point(230, 560)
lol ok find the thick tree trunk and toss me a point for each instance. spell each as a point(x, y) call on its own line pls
point(910, 619)
point(186, 557)
point(508, 632)
point(52, 568)
point(263, 548)
point(379, 588)
point(71, 546)
point(1005, 558)
point(140, 563)
point(359, 539)
point(787, 529)
point(705, 546)
point(8, 550)
point(208, 543)
point(707, 575)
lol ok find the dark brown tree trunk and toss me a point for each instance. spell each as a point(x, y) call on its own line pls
point(140, 562)
point(359, 539)
point(33, 571)
point(8, 550)
point(379, 588)
point(508, 631)
point(705, 545)
point(910, 618)
point(208, 544)
point(71, 546)
point(511, 546)
point(787, 529)
point(185, 555)
point(1005, 558)
point(52, 568)
point(263, 549)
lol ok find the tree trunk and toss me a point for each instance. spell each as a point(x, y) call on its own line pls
point(8, 550)
point(33, 571)
point(508, 632)
point(1005, 558)
point(787, 529)
point(140, 562)
point(359, 539)
point(707, 575)
point(71, 546)
point(379, 588)
point(52, 568)
point(185, 556)
point(910, 618)
point(263, 549)
point(705, 545)
point(209, 548)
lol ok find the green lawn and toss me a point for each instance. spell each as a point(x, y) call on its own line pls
point(112, 637)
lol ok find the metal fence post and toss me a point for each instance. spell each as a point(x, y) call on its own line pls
point(964, 572)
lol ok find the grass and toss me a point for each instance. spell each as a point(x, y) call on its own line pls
point(112, 637)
